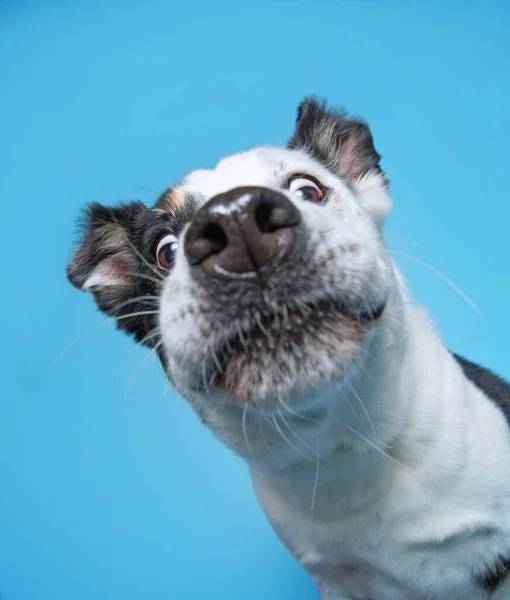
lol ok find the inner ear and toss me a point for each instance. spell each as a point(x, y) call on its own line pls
point(112, 271)
point(106, 254)
point(343, 144)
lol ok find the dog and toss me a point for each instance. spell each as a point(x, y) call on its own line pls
point(381, 459)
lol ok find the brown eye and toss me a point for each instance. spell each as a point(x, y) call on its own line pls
point(306, 189)
point(166, 251)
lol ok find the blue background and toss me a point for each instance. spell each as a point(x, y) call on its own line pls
point(106, 495)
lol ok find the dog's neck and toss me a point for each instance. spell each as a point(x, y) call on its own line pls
point(392, 412)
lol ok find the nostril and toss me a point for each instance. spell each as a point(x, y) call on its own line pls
point(272, 214)
point(263, 216)
point(215, 235)
point(210, 239)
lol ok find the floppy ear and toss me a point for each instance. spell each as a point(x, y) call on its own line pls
point(346, 147)
point(107, 263)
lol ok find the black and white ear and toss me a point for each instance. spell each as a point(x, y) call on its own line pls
point(107, 263)
point(346, 147)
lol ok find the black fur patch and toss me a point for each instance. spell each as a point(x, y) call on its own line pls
point(492, 579)
point(498, 390)
point(495, 387)
point(342, 144)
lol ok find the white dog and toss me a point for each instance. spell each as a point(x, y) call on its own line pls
point(381, 459)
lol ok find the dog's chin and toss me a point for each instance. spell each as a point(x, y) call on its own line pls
point(287, 357)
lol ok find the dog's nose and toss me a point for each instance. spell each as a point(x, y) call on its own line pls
point(238, 232)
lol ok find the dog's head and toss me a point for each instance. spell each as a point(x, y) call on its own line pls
point(260, 282)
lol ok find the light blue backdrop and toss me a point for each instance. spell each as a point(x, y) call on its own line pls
point(106, 495)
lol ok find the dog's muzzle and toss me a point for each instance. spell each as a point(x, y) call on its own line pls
point(240, 233)
point(272, 318)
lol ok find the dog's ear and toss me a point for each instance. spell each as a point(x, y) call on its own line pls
point(107, 263)
point(346, 147)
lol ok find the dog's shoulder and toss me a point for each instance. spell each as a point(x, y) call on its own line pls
point(494, 386)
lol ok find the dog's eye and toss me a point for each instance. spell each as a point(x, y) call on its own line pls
point(165, 253)
point(306, 189)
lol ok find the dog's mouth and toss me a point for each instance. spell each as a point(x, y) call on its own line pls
point(268, 350)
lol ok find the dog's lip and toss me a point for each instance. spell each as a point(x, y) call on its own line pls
point(324, 305)
point(215, 365)
point(373, 315)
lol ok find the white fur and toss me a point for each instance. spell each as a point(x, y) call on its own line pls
point(373, 196)
point(399, 488)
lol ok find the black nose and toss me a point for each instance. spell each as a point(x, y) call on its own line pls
point(240, 231)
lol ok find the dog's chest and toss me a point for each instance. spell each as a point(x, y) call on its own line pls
point(344, 560)
point(375, 555)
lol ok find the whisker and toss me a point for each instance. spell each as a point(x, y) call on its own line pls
point(370, 443)
point(205, 382)
point(294, 433)
point(82, 335)
point(264, 439)
point(316, 482)
point(405, 241)
point(149, 355)
point(137, 314)
point(98, 326)
point(222, 404)
point(438, 273)
point(162, 190)
point(286, 439)
point(354, 409)
point(158, 274)
point(216, 361)
point(245, 432)
point(154, 332)
point(144, 276)
point(295, 413)
point(138, 187)
point(140, 299)
point(363, 408)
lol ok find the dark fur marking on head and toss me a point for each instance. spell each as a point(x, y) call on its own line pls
point(108, 236)
point(342, 144)
point(178, 205)
point(119, 243)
